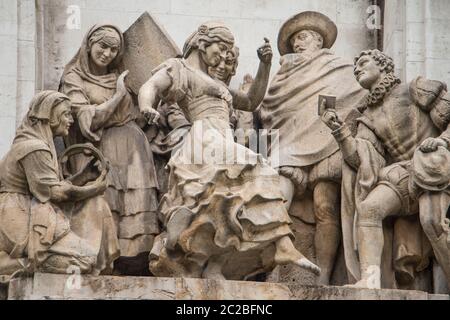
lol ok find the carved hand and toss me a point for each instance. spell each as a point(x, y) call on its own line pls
point(265, 53)
point(121, 87)
point(431, 144)
point(101, 183)
point(331, 119)
point(151, 115)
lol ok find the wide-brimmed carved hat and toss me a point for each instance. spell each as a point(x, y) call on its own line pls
point(431, 170)
point(307, 20)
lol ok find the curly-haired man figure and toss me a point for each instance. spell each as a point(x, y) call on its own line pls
point(400, 161)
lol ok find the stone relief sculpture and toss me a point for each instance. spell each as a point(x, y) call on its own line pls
point(48, 224)
point(106, 116)
point(213, 207)
point(308, 159)
point(183, 196)
point(245, 121)
point(397, 165)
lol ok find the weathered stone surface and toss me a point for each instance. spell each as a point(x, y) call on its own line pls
point(3, 289)
point(52, 286)
point(147, 46)
point(346, 293)
point(65, 287)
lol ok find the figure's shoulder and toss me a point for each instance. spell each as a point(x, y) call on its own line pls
point(172, 63)
point(21, 149)
point(72, 77)
point(425, 91)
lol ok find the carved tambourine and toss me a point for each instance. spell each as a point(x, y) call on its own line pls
point(86, 149)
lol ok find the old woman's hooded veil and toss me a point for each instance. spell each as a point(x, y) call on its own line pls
point(31, 225)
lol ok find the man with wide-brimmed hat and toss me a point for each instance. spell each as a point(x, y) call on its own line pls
point(308, 156)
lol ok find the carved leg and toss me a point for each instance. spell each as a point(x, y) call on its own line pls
point(287, 189)
point(328, 233)
point(379, 204)
point(433, 209)
point(287, 253)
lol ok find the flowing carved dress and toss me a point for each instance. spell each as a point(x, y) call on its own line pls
point(132, 181)
point(236, 205)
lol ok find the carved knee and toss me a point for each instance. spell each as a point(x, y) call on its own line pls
point(326, 213)
point(370, 214)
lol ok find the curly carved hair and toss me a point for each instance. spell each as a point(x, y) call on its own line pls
point(381, 59)
point(206, 34)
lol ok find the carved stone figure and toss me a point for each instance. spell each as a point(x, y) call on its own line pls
point(308, 158)
point(214, 206)
point(106, 116)
point(397, 165)
point(48, 224)
point(245, 121)
point(174, 125)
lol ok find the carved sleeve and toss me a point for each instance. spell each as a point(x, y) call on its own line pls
point(175, 72)
point(82, 109)
point(41, 174)
point(176, 117)
point(432, 97)
point(347, 145)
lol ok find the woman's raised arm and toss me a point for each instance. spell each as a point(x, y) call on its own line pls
point(150, 93)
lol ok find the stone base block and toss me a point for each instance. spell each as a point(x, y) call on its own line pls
point(300, 292)
point(52, 286)
point(3, 288)
point(67, 287)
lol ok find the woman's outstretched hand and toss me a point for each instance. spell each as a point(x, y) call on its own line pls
point(121, 87)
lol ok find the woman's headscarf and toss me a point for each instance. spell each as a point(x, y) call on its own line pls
point(36, 124)
point(209, 32)
point(80, 62)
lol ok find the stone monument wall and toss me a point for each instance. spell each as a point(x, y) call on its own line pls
point(416, 36)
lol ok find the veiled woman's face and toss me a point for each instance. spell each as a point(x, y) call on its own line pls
point(215, 52)
point(61, 119)
point(102, 54)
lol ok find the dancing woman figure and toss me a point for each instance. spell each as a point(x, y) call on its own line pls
point(215, 204)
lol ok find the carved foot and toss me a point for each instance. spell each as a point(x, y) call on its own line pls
point(364, 284)
point(308, 265)
point(286, 254)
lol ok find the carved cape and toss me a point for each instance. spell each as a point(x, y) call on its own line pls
point(291, 104)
